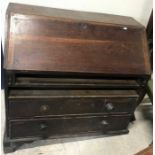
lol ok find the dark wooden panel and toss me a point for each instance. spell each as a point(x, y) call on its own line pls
point(87, 57)
point(60, 126)
point(70, 106)
point(35, 27)
point(61, 45)
point(35, 103)
point(35, 93)
point(70, 14)
point(61, 82)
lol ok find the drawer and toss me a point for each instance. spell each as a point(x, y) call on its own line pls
point(58, 82)
point(72, 102)
point(68, 126)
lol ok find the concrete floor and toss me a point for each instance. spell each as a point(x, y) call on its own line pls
point(139, 137)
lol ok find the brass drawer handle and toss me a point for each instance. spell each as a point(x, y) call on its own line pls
point(109, 106)
point(104, 122)
point(43, 126)
point(44, 108)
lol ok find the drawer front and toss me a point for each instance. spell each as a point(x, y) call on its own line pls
point(67, 126)
point(42, 81)
point(70, 106)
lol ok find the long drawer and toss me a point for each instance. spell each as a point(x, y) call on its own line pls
point(67, 125)
point(39, 103)
point(58, 82)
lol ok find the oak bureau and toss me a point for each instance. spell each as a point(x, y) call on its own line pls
point(71, 73)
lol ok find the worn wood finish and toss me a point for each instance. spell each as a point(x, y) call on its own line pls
point(69, 73)
point(39, 103)
point(23, 94)
point(59, 82)
point(51, 40)
point(74, 15)
point(67, 104)
point(57, 126)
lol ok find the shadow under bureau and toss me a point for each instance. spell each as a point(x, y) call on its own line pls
point(70, 73)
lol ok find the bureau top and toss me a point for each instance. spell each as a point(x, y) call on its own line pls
point(47, 39)
point(69, 14)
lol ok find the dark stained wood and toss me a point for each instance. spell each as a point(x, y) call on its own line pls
point(69, 73)
point(149, 31)
point(69, 14)
point(149, 28)
point(49, 43)
point(109, 102)
point(81, 83)
point(57, 126)
point(15, 94)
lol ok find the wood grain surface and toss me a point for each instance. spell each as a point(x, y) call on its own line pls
point(75, 44)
